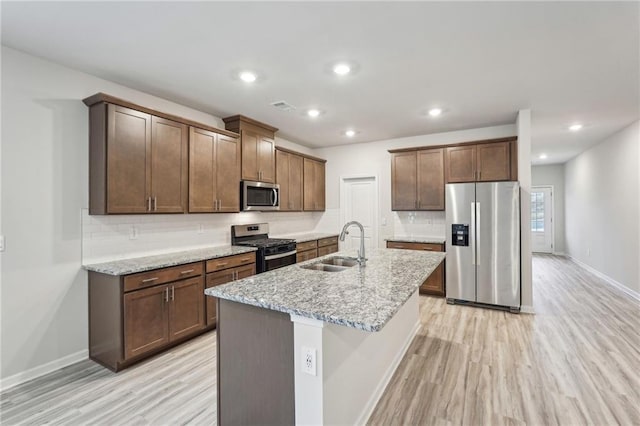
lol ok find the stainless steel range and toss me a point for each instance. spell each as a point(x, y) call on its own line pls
point(273, 253)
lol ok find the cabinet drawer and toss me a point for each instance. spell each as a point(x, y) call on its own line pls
point(160, 276)
point(323, 251)
point(330, 241)
point(415, 246)
point(228, 275)
point(230, 261)
point(308, 245)
point(301, 256)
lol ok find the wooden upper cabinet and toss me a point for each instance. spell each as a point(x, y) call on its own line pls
point(417, 180)
point(493, 161)
point(314, 185)
point(430, 178)
point(168, 166)
point(214, 172)
point(404, 181)
point(461, 163)
point(258, 148)
point(128, 150)
point(289, 172)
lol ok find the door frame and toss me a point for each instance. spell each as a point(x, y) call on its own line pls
point(553, 222)
point(376, 200)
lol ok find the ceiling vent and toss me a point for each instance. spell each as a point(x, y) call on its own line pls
point(283, 105)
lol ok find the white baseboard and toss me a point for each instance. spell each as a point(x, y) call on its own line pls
point(527, 309)
point(43, 369)
point(613, 283)
point(382, 385)
point(559, 253)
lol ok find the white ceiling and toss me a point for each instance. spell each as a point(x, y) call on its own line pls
point(482, 62)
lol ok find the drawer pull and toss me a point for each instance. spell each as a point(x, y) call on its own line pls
point(245, 259)
point(148, 280)
point(428, 248)
point(223, 264)
point(187, 272)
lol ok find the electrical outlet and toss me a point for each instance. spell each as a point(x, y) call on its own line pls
point(1, 242)
point(309, 360)
point(133, 232)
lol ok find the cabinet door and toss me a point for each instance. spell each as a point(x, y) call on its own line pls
point(215, 279)
point(435, 283)
point(249, 155)
point(404, 180)
point(319, 185)
point(146, 325)
point(308, 178)
point(128, 154)
point(227, 171)
point(460, 163)
point(283, 179)
point(202, 176)
point(168, 166)
point(494, 161)
point(295, 182)
point(430, 179)
point(245, 271)
point(266, 159)
point(186, 308)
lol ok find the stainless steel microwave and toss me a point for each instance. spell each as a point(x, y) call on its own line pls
point(260, 196)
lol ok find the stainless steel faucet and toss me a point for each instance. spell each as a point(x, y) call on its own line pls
point(362, 261)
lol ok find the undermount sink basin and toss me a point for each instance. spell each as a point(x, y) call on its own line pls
point(340, 261)
point(323, 267)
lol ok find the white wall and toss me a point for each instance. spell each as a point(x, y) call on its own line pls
point(553, 175)
point(373, 159)
point(601, 201)
point(45, 187)
point(524, 176)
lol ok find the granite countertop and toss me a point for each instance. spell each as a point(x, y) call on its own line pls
point(416, 239)
point(303, 238)
point(147, 263)
point(363, 298)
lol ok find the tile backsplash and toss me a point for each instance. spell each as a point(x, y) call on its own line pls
point(419, 224)
point(107, 238)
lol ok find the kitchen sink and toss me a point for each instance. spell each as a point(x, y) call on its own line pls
point(340, 261)
point(323, 267)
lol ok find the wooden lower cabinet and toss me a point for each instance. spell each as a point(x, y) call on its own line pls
point(434, 285)
point(186, 308)
point(223, 277)
point(303, 256)
point(323, 251)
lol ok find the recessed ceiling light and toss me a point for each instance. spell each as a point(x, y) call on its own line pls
point(435, 112)
point(350, 133)
point(342, 69)
point(575, 127)
point(542, 156)
point(313, 113)
point(247, 76)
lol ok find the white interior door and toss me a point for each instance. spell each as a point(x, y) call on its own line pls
point(360, 203)
point(542, 219)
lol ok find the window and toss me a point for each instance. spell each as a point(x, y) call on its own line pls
point(537, 212)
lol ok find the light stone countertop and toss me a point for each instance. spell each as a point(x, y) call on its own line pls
point(364, 298)
point(147, 263)
point(416, 239)
point(308, 236)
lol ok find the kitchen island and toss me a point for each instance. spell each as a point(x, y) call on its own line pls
point(304, 346)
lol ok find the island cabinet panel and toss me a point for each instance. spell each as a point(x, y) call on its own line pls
point(289, 177)
point(314, 185)
point(258, 156)
point(214, 172)
point(435, 284)
point(255, 366)
point(138, 162)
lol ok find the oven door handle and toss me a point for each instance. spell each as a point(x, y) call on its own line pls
point(278, 256)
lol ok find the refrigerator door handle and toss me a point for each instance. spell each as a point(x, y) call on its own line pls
point(472, 234)
point(478, 233)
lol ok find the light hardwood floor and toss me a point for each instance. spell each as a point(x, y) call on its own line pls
point(577, 361)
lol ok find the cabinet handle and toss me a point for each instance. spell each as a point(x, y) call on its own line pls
point(428, 249)
point(173, 293)
point(187, 272)
point(155, 204)
point(223, 264)
point(148, 280)
point(236, 275)
point(149, 204)
point(166, 294)
point(245, 259)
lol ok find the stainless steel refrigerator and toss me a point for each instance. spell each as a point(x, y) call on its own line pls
point(483, 243)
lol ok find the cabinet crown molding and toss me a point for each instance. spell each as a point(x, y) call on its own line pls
point(310, 157)
point(104, 98)
point(420, 148)
point(239, 118)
